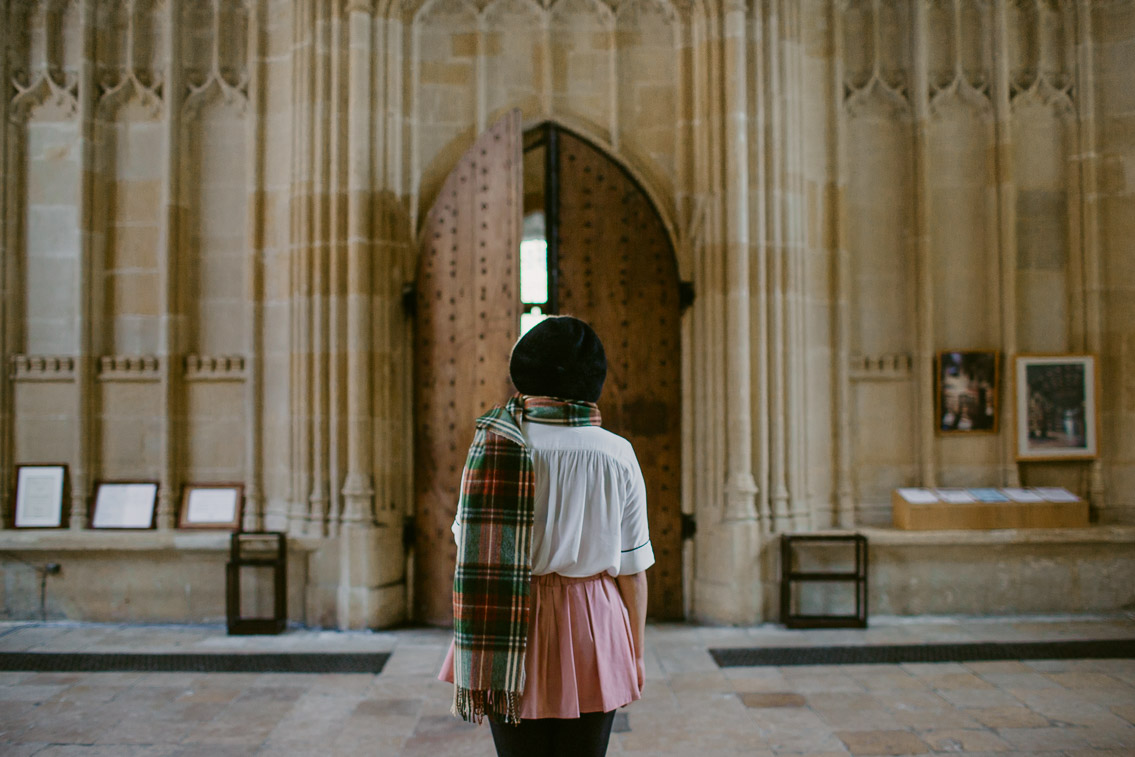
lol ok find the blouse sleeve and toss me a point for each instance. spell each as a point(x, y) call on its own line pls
point(637, 554)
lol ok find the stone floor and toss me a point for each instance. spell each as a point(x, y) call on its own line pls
point(1072, 708)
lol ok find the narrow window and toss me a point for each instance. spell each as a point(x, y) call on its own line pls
point(533, 272)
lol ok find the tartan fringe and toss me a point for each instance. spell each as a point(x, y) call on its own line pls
point(473, 705)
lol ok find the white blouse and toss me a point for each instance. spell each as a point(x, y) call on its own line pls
point(590, 510)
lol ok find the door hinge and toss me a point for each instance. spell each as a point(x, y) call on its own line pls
point(410, 299)
point(689, 525)
point(409, 533)
point(685, 295)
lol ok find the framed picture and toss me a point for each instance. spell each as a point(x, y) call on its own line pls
point(966, 392)
point(1056, 403)
point(41, 496)
point(213, 506)
point(124, 504)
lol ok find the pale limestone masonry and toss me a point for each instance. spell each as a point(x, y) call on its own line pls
point(211, 207)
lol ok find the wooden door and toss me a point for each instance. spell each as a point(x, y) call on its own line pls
point(467, 321)
point(617, 271)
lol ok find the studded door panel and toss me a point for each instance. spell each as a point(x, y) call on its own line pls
point(466, 324)
point(617, 271)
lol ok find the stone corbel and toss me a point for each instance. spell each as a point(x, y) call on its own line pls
point(214, 368)
point(41, 368)
point(896, 367)
point(129, 368)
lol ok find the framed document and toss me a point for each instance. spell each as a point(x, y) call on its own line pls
point(124, 504)
point(1057, 414)
point(40, 496)
point(215, 506)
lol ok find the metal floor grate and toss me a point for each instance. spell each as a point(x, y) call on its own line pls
point(891, 654)
point(293, 662)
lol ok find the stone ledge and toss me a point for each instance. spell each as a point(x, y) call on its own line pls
point(962, 537)
point(128, 541)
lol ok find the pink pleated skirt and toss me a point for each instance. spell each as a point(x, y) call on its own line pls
point(580, 655)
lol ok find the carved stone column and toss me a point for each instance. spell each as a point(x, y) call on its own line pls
point(299, 237)
point(1090, 212)
point(7, 251)
point(924, 262)
point(728, 586)
point(371, 556)
point(1006, 237)
point(170, 346)
point(740, 488)
point(254, 275)
point(83, 473)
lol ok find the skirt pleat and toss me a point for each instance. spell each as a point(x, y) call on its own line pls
point(580, 652)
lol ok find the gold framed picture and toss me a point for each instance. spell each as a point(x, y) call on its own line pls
point(966, 389)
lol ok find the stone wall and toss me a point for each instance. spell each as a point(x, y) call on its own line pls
point(211, 210)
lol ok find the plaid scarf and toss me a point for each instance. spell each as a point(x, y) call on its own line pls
point(494, 556)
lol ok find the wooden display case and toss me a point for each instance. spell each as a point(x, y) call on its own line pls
point(922, 515)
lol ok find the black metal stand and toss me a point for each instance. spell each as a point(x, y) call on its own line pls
point(257, 549)
point(789, 576)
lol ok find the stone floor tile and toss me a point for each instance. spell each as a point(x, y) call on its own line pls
point(929, 720)
point(968, 698)
point(1127, 712)
point(1086, 680)
point(817, 681)
point(9, 749)
point(675, 659)
point(930, 669)
point(1010, 681)
point(218, 694)
point(794, 729)
point(1060, 704)
point(882, 742)
point(773, 699)
point(710, 681)
point(1041, 739)
point(449, 744)
point(904, 700)
point(215, 750)
point(94, 750)
point(888, 678)
point(170, 680)
point(1009, 717)
point(89, 693)
point(24, 693)
point(965, 680)
point(755, 679)
point(998, 666)
point(269, 694)
point(964, 740)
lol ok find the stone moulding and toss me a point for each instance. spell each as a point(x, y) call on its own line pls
point(129, 368)
point(880, 367)
point(214, 368)
point(39, 368)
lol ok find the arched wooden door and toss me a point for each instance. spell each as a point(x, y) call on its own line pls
point(616, 269)
point(466, 323)
point(618, 272)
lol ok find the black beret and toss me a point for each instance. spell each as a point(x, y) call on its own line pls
point(562, 357)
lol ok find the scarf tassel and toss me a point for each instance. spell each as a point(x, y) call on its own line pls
point(473, 705)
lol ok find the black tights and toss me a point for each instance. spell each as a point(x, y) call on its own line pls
point(584, 736)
